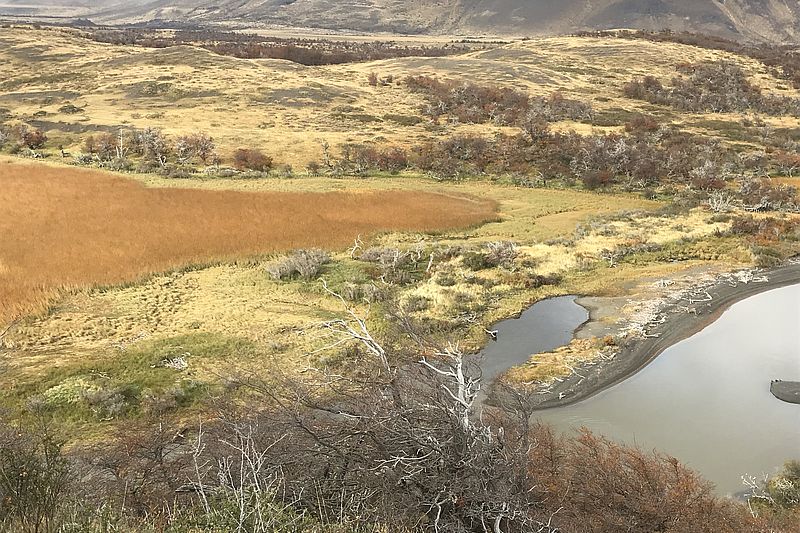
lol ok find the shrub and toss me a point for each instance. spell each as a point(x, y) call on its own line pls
point(641, 124)
point(717, 86)
point(252, 159)
point(501, 253)
point(472, 103)
point(385, 256)
point(83, 159)
point(106, 402)
point(359, 158)
point(535, 126)
point(103, 146)
point(494, 254)
point(154, 145)
point(785, 487)
point(455, 157)
point(70, 109)
point(763, 195)
point(416, 303)
point(765, 230)
point(766, 257)
point(597, 179)
point(30, 138)
point(394, 264)
point(34, 481)
point(469, 102)
point(197, 145)
point(305, 264)
point(118, 164)
point(475, 261)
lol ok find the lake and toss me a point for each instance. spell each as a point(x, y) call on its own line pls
point(706, 400)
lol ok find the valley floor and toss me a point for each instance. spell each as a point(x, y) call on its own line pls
point(230, 316)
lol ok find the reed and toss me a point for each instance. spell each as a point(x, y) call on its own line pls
point(63, 229)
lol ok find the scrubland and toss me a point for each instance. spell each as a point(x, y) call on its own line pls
point(432, 196)
point(94, 264)
point(293, 107)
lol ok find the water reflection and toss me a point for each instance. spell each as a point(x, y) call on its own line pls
point(543, 327)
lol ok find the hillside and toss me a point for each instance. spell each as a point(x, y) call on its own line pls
point(182, 89)
point(770, 20)
point(237, 290)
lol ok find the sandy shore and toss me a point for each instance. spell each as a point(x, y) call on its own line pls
point(638, 353)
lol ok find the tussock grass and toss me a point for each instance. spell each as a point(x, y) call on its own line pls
point(65, 228)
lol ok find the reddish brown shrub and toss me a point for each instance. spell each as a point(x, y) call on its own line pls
point(252, 159)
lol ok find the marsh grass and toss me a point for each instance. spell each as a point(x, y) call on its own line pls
point(64, 228)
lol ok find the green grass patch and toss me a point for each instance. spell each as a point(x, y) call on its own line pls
point(403, 120)
point(731, 130)
point(707, 249)
point(153, 376)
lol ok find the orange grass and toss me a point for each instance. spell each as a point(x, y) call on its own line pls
point(64, 228)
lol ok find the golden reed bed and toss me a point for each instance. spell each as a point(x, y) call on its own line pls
point(63, 228)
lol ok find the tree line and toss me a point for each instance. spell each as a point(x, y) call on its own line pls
point(310, 52)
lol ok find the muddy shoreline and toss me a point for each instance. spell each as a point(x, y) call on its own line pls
point(636, 354)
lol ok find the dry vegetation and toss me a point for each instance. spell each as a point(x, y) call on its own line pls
point(277, 103)
point(535, 115)
point(66, 228)
point(161, 290)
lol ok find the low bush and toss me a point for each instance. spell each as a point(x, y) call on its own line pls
point(501, 253)
point(718, 87)
point(303, 264)
point(252, 159)
point(359, 158)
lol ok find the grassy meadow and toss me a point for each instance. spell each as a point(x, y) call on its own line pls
point(231, 316)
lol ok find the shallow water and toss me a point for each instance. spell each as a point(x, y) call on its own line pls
point(706, 400)
point(544, 326)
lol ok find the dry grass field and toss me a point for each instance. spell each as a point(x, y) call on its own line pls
point(289, 109)
point(66, 228)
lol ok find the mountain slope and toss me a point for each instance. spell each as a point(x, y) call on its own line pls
point(772, 20)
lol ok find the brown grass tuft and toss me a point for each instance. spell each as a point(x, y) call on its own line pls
point(68, 228)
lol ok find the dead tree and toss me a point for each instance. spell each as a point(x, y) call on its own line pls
point(720, 202)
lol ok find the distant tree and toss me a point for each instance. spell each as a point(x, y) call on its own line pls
point(535, 126)
point(199, 145)
point(104, 146)
point(788, 163)
point(154, 145)
point(203, 146)
point(89, 145)
point(29, 138)
point(641, 124)
point(34, 480)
